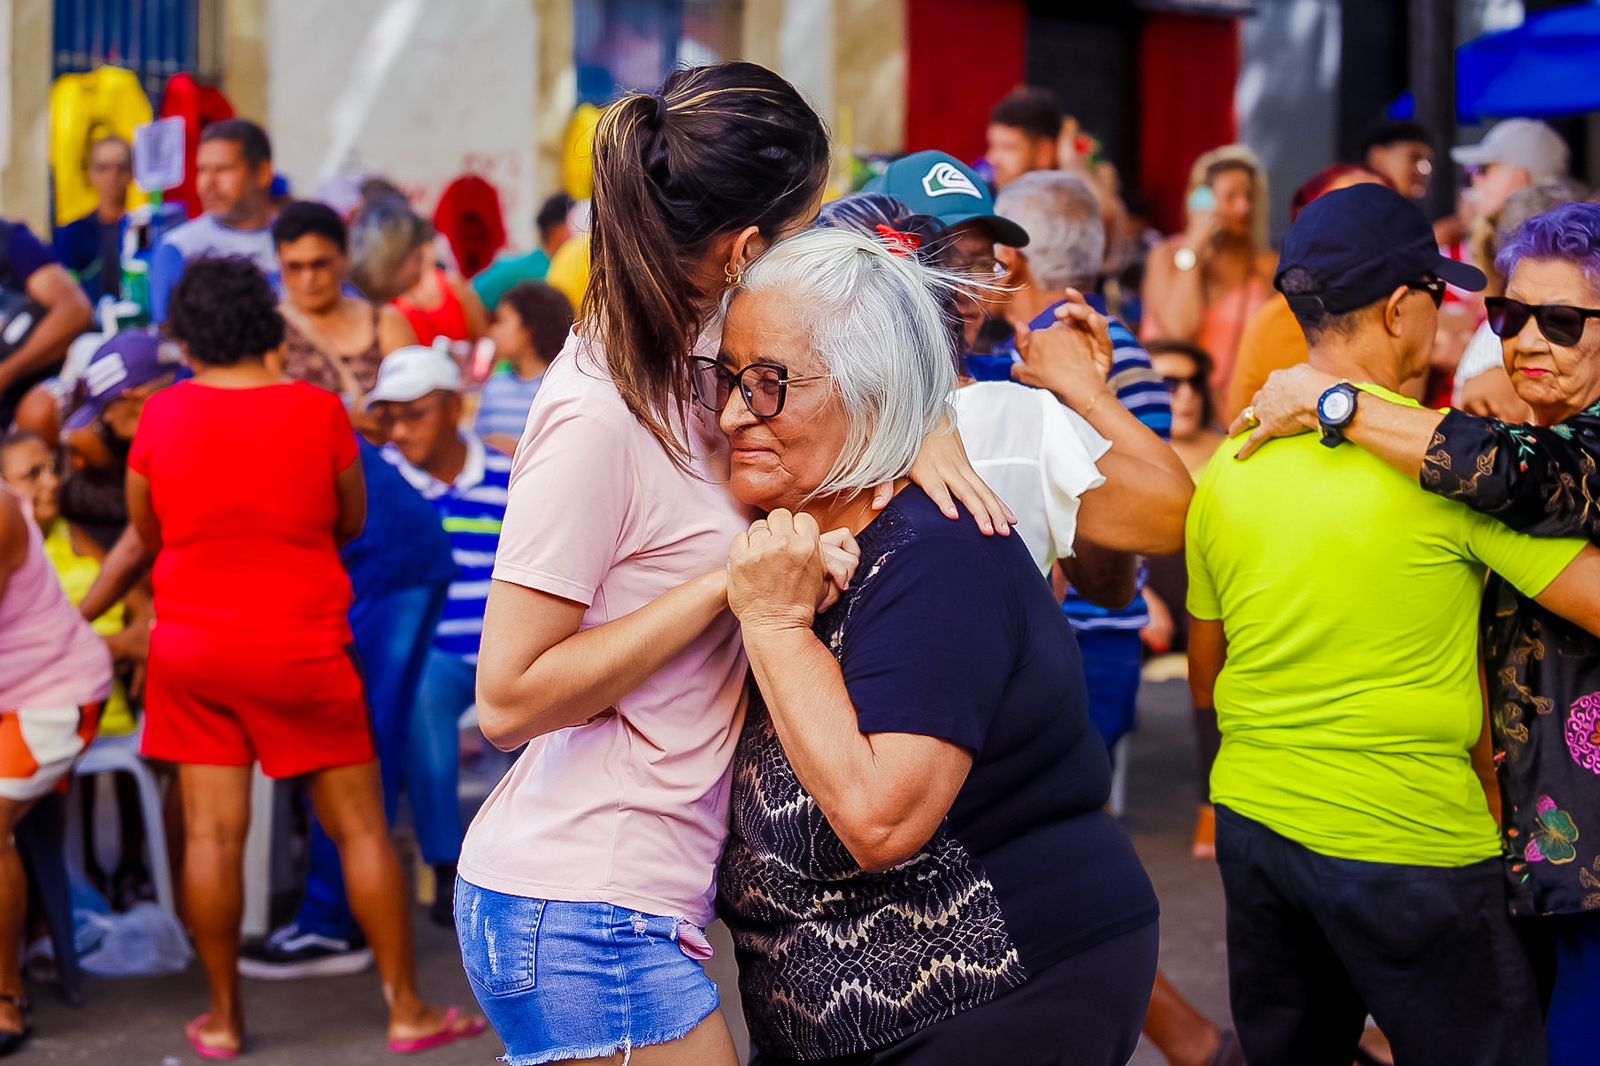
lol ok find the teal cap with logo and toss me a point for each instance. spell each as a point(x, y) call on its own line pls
point(939, 184)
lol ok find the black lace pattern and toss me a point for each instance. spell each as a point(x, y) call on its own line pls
point(834, 960)
point(1544, 673)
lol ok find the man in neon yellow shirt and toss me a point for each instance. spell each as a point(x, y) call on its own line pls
point(1335, 612)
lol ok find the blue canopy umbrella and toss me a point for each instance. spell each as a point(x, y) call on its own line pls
point(1550, 65)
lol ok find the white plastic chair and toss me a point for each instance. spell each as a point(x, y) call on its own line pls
point(121, 755)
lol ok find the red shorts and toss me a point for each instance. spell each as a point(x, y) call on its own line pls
point(231, 702)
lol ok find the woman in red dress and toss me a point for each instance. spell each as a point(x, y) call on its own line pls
point(242, 486)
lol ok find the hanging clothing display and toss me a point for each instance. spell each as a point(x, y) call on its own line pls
point(84, 108)
point(470, 218)
point(199, 106)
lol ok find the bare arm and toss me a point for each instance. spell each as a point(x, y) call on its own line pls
point(472, 306)
point(124, 564)
point(1287, 405)
point(13, 539)
point(1575, 594)
point(67, 314)
point(351, 488)
point(1103, 576)
point(884, 794)
point(394, 330)
point(1208, 651)
point(1176, 298)
point(537, 673)
point(1145, 498)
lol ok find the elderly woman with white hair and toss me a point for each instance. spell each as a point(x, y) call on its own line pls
point(921, 868)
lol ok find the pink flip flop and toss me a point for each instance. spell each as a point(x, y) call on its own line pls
point(204, 1050)
point(448, 1035)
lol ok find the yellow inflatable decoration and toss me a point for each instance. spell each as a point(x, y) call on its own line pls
point(85, 108)
point(569, 270)
point(577, 153)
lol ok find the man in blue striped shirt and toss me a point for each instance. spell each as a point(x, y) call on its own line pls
point(418, 400)
point(1066, 250)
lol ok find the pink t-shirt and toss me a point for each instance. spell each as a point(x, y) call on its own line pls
point(630, 808)
point(49, 657)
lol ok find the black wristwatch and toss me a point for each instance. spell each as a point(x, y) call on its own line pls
point(1335, 409)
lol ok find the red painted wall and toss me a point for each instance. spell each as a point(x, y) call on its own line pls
point(962, 56)
point(1189, 66)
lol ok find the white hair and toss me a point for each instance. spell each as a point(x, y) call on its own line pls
point(876, 321)
point(1066, 237)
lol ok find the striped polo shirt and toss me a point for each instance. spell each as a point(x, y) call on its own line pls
point(1142, 391)
point(472, 511)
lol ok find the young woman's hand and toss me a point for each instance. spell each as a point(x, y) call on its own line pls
point(841, 555)
point(943, 471)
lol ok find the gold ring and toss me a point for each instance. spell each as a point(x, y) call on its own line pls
point(1249, 416)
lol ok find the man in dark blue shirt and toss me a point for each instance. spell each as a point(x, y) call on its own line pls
point(41, 311)
point(91, 247)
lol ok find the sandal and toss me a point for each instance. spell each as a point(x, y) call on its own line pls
point(10, 1042)
point(203, 1049)
point(452, 1031)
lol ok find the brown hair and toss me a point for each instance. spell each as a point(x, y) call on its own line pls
point(545, 313)
point(717, 149)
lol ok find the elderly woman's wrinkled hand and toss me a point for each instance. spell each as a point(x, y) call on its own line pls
point(1072, 358)
point(777, 572)
point(1285, 406)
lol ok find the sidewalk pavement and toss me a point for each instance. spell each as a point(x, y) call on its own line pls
point(340, 1021)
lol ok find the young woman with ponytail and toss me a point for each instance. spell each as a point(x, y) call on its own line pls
point(588, 877)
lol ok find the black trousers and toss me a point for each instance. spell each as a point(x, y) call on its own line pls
point(1315, 944)
point(1086, 1010)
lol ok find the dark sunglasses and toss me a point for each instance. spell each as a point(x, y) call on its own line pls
point(1195, 381)
point(764, 386)
point(1561, 324)
point(1434, 287)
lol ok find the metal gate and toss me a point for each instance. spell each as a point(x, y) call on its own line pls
point(153, 38)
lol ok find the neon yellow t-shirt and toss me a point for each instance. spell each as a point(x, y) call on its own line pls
point(1350, 699)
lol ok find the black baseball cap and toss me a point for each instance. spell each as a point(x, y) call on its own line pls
point(1362, 243)
point(940, 185)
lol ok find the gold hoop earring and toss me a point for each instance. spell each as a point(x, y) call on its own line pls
point(734, 273)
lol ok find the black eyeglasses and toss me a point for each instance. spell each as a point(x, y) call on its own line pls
point(1560, 323)
point(1434, 287)
point(764, 386)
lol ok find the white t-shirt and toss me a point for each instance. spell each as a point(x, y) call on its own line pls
point(1484, 353)
point(1037, 454)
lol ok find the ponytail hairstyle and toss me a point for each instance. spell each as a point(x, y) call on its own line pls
point(718, 149)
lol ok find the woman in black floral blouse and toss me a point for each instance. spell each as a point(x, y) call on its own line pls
point(1543, 673)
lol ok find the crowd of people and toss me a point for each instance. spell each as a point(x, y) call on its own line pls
point(803, 553)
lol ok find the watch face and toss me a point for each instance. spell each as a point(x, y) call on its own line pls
point(1336, 407)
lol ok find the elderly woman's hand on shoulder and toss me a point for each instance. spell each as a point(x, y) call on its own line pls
point(784, 570)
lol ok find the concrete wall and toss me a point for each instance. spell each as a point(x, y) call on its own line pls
point(422, 91)
point(1288, 94)
point(26, 50)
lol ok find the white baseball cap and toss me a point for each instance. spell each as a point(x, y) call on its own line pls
point(1519, 142)
point(410, 373)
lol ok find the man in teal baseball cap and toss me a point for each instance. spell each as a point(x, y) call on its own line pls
point(941, 186)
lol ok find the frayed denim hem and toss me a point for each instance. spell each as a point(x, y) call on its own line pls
point(626, 1046)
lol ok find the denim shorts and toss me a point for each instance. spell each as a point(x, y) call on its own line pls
point(564, 980)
